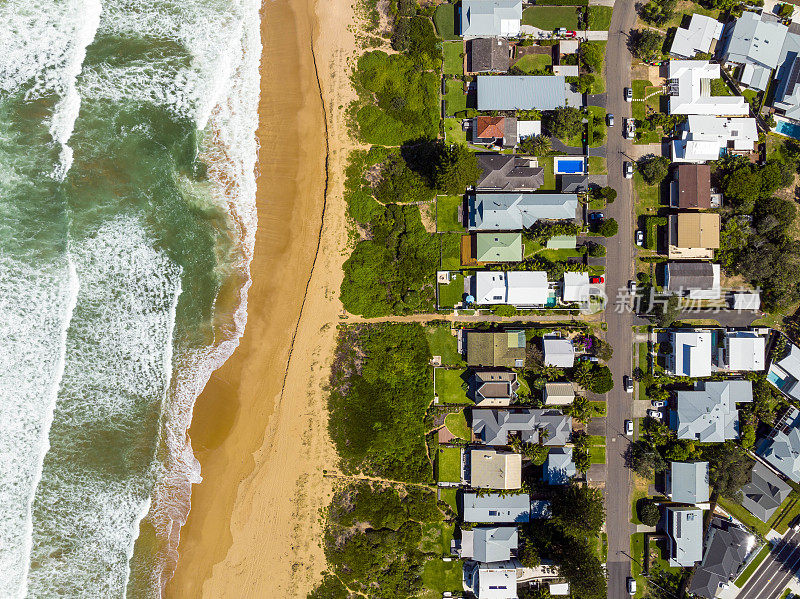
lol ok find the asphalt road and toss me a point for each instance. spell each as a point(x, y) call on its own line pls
point(773, 575)
point(619, 270)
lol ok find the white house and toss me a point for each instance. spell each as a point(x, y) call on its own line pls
point(690, 91)
point(691, 353)
point(516, 287)
point(705, 137)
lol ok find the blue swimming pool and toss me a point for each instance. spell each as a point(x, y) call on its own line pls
point(569, 166)
point(788, 129)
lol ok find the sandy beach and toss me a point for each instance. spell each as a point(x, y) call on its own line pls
point(259, 428)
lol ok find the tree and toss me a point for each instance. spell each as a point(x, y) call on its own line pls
point(564, 122)
point(654, 169)
point(646, 44)
point(579, 509)
point(648, 512)
point(729, 468)
point(456, 168)
point(644, 459)
point(608, 228)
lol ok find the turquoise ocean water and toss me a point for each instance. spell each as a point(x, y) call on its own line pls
point(127, 202)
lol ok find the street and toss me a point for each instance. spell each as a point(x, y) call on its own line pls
point(619, 270)
point(773, 575)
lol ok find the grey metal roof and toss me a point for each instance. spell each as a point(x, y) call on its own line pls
point(782, 450)
point(493, 507)
point(484, 17)
point(708, 414)
point(726, 548)
point(521, 92)
point(508, 172)
point(689, 482)
point(764, 493)
point(559, 467)
point(490, 544)
point(685, 531)
point(492, 427)
point(516, 211)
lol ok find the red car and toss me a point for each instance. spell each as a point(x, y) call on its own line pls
point(596, 280)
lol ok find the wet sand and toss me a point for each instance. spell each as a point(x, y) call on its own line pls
point(259, 427)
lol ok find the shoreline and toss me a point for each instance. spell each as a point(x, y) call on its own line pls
point(259, 428)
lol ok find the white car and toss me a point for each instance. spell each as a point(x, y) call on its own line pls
point(658, 404)
point(655, 414)
point(629, 427)
point(628, 169)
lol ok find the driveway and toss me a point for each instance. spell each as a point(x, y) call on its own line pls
point(776, 571)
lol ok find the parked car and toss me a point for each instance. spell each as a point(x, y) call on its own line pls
point(658, 404)
point(629, 431)
point(655, 414)
point(627, 382)
point(610, 119)
point(628, 169)
point(628, 94)
point(596, 280)
point(631, 585)
point(639, 237)
point(596, 217)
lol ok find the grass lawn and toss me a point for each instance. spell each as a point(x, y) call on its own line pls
point(447, 213)
point(451, 251)
point(455, 99)
point(442, 343)
point(599, 18)
point(786, 513)
point(445, 20)
point(450, 386)
point(448, 495)
point(551, 17)
point(597, 454)
point(752, 565)
point(531, 63)
point(436, 538)
point(453, 59)
point(452, 293)
point(456, 423)
point(549, 176)
point(597, 165)
point(439, 576)
point(453, 133)
point(649, 195)
point(745, 517)
point(449, 465)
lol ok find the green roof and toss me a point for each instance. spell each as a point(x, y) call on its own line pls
point(562, 242)
point(499, 247)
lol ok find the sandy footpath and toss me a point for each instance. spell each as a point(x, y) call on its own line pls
point(255, 528)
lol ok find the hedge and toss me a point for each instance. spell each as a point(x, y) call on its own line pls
point(653, 222)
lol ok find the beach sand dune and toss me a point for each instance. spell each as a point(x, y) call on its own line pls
point(259, 428)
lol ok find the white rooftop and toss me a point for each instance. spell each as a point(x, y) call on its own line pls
point(698, 37)
point(690, 90)
point(691, 353)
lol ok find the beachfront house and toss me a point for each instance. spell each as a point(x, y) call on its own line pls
point(685, 535)
point(520, 288)
point(521, 92)
point(687, 482)
point(499, 349)
point(689, 87)
point(491, 18)
point(691, 353)
point(517, 211)
point(507, 172)
point(692, 235)
point(708, 414)
point(781, 449)
point(765, 492)
point(494, 508)
point(493, 469)
point(726, 549)
point(695, 280)
point(493, 427)
point(703, 32)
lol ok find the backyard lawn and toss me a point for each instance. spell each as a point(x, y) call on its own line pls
point(445, 20)
point(550, 18)
point(751, 567)
point(453, 59)
point(599, 18)
point(449, 465)
point(447, 213)
point(531, 63)
point(451, 251)
point(452, 293)
point(442, 343)
point(457, 424)
point(455, 99)
point(453, 132)
point(451, 387)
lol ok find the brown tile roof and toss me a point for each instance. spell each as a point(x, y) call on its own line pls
point(489, 126)
point(694, 186)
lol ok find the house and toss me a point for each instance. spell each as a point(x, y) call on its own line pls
point(691, 353)
point(702, 32)
point(693, 235)
point(504, 349)
point(574, 183)
point(745, 350)
point(576, 287)
point(689, 87)
point(507, 172)
point(558, 394)
point(695, 280)
point(754, 42)
point(494, 508)
point(559, 467)
point(522, 288)
point(685, 535)
point(708, 413)
point(785, 373)
point(746, 301)
point(521, 92)
point(493, 18)
point(496, 248)
point(517, 211)
point(764, 493)
point(496, 580)
point(488, 55)
point(489, 543)
point(705, 138)
point(688, 482)
point(495, 388)
point(493, 427)
point(492, 469)
point(726, 549)
point(691, 190)
point(781, 449)
point(490, 130)
point(558, 352)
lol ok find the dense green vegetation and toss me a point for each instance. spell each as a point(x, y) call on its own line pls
point(380, 390)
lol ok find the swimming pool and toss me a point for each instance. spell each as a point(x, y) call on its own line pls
point(569, 166)
point(788, 129)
